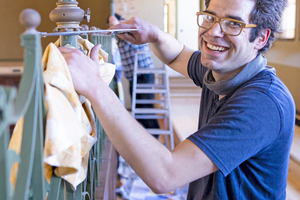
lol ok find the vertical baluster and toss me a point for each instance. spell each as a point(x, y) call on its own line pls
point(102, 143)
point(91, 175)
point(93, 178)
point(27, 149)
point(107, 46)
point(94, 38)
point(96, 149)
point(56, 191)
point(69, 40)
point(103, 43)
point(4, 139)
point(7, 157)
point(70, 192)
point(78, 192)
point(33, 126)
point(84, 28)
point(38, 180)
point(98, 36)
point(68, 16)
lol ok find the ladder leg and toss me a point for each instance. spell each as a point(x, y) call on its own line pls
point(159, 86)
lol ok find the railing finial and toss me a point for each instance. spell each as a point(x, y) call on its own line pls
point(31, 19)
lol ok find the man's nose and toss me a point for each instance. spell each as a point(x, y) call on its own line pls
point(216, 30)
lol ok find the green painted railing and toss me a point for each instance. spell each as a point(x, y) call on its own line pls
point(7, 158)
point(29, 102)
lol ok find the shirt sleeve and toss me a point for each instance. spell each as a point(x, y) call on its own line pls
point(195, 69)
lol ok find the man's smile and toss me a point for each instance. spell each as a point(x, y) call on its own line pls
point(215, 48)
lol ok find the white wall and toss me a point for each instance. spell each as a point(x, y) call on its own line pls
point(187, 28)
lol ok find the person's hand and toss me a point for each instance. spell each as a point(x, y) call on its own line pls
point(84, 70)
point(146, 32)
point(112, 20)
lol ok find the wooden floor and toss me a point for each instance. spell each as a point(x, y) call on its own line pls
point(293, 189)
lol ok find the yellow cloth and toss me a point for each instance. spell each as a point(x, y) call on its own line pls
point(70, 124)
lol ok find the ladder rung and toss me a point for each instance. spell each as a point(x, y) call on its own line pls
point(153, 70)
point(159, 131)
point(144, 85)
point(148, 101)
point(149, 116)
point(185, 95)
point(150, 111)
point(147, 91)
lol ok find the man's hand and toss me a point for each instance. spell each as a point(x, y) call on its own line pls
point(84, 70)
point(146, 32)
point(165, 47)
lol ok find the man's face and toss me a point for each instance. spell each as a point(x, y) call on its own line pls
point(226, 55)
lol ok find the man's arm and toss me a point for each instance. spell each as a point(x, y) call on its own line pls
point(162, 170)
point(169, 50)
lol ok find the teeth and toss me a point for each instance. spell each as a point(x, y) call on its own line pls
point(215, 48)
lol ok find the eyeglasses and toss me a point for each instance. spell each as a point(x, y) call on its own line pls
point(228, 26)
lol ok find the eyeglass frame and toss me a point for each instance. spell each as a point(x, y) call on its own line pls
point(220, 19)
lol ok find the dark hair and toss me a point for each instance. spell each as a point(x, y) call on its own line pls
point(119, 17)
point(266, 14)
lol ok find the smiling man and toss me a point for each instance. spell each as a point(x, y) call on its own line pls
point(246, 120)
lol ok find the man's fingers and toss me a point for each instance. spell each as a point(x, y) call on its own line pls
point(123, 25)
point(128, 36)
point(65, 49)
point(69, 52)
point(95, 52)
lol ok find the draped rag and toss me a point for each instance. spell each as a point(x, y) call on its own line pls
point(70, 123)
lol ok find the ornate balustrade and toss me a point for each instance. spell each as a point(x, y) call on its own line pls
point(29, 102)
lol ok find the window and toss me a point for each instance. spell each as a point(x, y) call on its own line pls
point(288, 23)
point(170, 19)
point(166, 18)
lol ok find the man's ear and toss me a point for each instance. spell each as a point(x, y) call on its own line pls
point(262, 39)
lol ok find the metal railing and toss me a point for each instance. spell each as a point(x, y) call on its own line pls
point(29, 102)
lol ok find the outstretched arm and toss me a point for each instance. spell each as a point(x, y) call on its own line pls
point(162, 170)
point(169, 50)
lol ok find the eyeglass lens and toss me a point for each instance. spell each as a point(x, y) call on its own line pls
point(228, 26)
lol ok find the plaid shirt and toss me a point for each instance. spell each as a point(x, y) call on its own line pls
point(127, 52)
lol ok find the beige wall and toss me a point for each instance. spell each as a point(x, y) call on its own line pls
point(291, 78)
point(152, 11)
point(11, 29)
point(284, 55)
